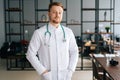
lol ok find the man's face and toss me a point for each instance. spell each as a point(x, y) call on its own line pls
point(55, 14)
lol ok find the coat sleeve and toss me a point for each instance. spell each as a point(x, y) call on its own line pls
point(31, 54)
point(73, 53)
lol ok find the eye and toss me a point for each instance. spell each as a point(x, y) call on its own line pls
point(54, 12)
point(59, 12)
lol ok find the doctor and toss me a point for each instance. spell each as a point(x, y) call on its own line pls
point(52, 50)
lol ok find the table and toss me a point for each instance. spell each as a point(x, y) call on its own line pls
point(113, 71)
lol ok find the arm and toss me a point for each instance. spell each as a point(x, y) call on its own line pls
point(32, 52)
point(73, 51)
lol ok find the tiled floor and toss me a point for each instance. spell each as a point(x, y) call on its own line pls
point(32, 75)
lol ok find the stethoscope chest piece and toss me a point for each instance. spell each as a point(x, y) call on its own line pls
point(64, 40)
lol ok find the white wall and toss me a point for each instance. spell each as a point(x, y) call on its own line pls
point(2, 31)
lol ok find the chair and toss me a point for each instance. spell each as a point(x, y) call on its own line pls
point(98, 72)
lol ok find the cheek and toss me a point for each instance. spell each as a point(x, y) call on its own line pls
point(61, 16)
point(50, 16)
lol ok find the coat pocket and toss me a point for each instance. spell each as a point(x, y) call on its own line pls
point(65, 75)
point(68, 75)
point(47, 76)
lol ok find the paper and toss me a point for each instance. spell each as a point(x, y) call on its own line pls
point(105, 55)
point(98, 55)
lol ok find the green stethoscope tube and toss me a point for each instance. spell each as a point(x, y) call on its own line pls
point(48, 32)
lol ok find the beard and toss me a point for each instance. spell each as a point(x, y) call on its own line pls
point(56, 22)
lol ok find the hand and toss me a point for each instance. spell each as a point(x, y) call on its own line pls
point(47, 75)
point(46, 71)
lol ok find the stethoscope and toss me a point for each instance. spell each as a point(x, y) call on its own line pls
point(47, 39)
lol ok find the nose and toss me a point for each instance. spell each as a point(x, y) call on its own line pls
point(57, 14)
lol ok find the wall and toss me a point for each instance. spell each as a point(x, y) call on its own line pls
point(29, 17)
point(74, 13)
point(2, 31)
point(117, 17)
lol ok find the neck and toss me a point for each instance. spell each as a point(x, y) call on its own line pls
point(55, 24)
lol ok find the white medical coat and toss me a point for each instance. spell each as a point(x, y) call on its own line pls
point(59, 57)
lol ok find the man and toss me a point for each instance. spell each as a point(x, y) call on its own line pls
point(53, 51)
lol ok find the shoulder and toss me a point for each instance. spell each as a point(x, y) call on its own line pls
point(40, 29)
point(67, 29)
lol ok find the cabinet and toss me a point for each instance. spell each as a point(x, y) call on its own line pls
point(13, 20)
point(95, 15)
point(14, 32)
point(19, 19)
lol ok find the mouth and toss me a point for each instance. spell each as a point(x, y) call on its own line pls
point(57, 18)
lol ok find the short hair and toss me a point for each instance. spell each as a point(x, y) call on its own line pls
point(55, 4)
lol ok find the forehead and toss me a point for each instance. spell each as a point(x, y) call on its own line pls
point(56, 8)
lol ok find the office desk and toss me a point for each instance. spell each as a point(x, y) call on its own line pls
point(113, 71)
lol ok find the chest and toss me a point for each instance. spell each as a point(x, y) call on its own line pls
point(55, 38)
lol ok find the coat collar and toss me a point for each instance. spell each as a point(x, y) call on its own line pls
point(51, 27)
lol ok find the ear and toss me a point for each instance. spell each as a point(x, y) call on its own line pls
point(48, 13)
point(47, 16)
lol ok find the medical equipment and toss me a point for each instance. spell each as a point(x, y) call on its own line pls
point(49, 34)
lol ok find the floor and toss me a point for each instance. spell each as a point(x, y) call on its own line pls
point(32, 75)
